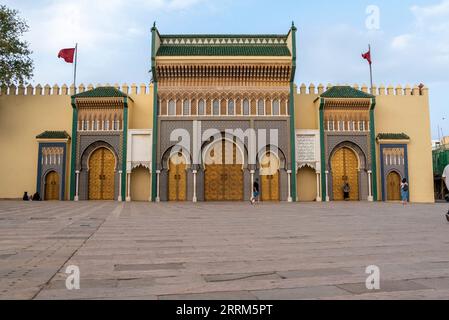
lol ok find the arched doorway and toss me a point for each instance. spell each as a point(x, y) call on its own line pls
point(269, 177)
point(306, 178)
point(140, 184)
point(345, 167)
point(52, 186)
point(393, 186)
point(177, 178)
point(101, 174)
point(223, 172)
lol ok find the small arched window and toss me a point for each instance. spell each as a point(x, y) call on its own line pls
point(186, 108)
point(201, 108)
point(246, 107)
point(260, 107)
point(171, 108)
point(216, 108)
point(276, 108)
point(231, 108)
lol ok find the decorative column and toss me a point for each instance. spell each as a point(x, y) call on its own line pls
point(318, 187)
point(289, 173)
point(370, 189)
point(252, 184)
point(327, 186)
point(77, 185)
point(128, 187)
point(120, 186)
point(195, 199)
point(158, 173)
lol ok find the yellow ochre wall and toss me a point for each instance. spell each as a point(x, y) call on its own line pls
point(22, 118)
point(25, 114)
point(411, 115)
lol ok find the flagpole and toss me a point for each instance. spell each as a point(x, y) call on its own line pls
point(74, 68)
point(371, 69)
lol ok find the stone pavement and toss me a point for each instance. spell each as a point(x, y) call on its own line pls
point(223, 250)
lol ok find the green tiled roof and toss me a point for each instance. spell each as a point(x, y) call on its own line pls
point(101, 92)
point(392, 136)
point(345, 92)
point(53, 135)
point(240, 50)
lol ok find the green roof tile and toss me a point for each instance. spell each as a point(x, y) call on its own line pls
point(240, 50)
point(53, 135)
point(345, 92)
point(101, 92)
point(392, 136)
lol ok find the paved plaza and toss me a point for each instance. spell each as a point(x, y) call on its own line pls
point(223, 250)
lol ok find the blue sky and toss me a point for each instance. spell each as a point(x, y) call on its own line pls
point(410, 47)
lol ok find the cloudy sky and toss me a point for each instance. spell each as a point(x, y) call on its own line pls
point(411, 45)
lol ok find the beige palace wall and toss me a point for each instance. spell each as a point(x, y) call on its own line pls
point(306, 113)
point(141, 117)
point(141, 114)
point(22, 118)
point(409, 114)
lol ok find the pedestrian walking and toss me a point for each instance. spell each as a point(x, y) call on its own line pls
point(404, 191)
point(256, 192)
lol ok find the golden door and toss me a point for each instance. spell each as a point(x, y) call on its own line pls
point(270, 187)
point(177, 178)
point(269, 176)
point(101, 175)
point(52, 186)
point(345, 169)
point(393, 186)
point(223, 175)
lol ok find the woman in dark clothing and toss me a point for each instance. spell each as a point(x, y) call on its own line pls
point(25, 197)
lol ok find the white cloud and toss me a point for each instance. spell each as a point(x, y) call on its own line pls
point(402, 41)
point(426, 45)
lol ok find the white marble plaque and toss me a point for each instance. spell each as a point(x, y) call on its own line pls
point(306, 148)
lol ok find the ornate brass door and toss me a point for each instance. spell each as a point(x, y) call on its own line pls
point(101, 175)
point(269, 176)
point(270, 187)
point(177, 178)
point(345, 169)
point(52, 186)
point(393, 186)
point(224, 175)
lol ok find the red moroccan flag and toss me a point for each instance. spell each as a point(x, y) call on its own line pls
point(67, 54)
point(367, 56)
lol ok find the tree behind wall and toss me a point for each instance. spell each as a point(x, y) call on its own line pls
point(16, 66)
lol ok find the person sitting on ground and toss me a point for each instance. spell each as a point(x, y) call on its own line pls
point(25, 196)
point(37, 197)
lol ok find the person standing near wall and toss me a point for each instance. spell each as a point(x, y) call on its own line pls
point(404, 191)
point(445, 177)
point(346, 191)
